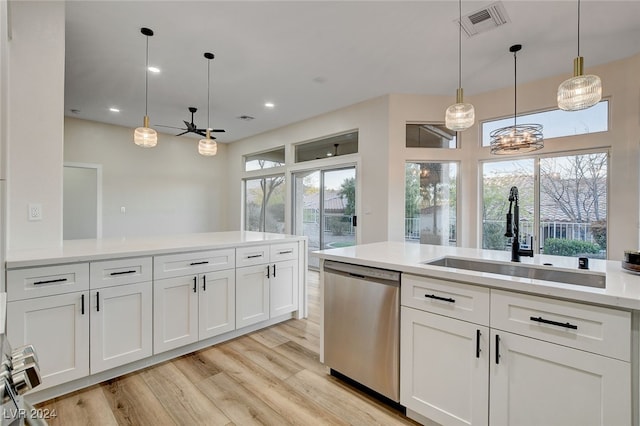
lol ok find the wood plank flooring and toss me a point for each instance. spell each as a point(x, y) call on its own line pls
point(269, 377)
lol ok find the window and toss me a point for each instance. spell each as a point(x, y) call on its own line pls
point(264, 204)
point(333, 146)
point(264, 160)
point(431, 203)
point(429, 136)
point(558, 123)
point(571, 203)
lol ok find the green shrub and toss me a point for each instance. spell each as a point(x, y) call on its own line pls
point(562, 247)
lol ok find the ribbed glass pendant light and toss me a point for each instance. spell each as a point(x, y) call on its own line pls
point(208, 145)
point(145, 136)
point(459, 116)
point(518, 138)
point(580, 91)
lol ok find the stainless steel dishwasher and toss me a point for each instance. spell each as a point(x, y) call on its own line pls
point(362, 325)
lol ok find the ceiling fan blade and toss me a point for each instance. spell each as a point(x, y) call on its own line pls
point(169, 127)
point(218, 130)
point(183, 133)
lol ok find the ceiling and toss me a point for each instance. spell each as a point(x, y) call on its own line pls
point(312, 57)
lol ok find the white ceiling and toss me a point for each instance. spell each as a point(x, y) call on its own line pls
point(311, 57)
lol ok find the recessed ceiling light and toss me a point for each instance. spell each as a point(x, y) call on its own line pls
point(154, 69)
point(112, 109)
point(269, 105)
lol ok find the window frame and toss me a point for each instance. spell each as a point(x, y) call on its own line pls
point(244, 198)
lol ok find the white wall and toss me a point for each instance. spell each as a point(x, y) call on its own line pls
point(370, 118)
point(35, 122)
point(169, 189)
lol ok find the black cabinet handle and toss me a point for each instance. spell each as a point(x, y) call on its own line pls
point(57, 280)
point(497, 349)
point(204, 262)
point(478, 343)
point(195, 280)
point(274, 269)
point(285, 252)
point(559, 324)
point(122, 273)
point(445, 299)
point(82, 304)
point(97, 301)
point(253, 256)
point(204, 283)
point(268, 272)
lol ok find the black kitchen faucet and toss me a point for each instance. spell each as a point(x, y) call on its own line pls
point(513, 228)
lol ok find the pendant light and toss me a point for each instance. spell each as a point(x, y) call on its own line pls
point(580, 91)
point(208, 145)
point(145, 136)
point(519, 137)
point(459, 116)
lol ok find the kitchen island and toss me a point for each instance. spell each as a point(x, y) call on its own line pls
point(480, 347)
point(97, 309)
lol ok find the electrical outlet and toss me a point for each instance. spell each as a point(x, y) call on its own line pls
point(35, 211)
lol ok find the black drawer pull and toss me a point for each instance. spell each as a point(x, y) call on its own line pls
point(82, 306)
point(195, 280)
point(497, 349)
point(478, 343)
point(285, 252)
point(559, 324)
point(204, 262)
point(123, 273)
point(445, 299)
point(97, 301)
point(204, 283)
point(57, 280)
point(253, 256)
point(268, 272)
point(274, 269)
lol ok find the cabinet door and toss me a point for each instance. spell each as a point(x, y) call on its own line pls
point(217, 303)
point(175, 312)
point(541, 383)
point(283, 288)
point(444, 368)
point(252, 294)
point(120, 325)
point(58, 329)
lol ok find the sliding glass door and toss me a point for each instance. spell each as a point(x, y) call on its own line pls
point(324, 208)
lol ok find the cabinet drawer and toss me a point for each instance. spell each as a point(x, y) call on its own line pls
point(120, 271)
point(175, 265)
point(595, 329)
point(288, 251)
point(256, 255)
point(450, 298)
point(47, 280)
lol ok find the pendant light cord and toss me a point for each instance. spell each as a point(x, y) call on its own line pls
point(146, 81)
point(208, 92)
point(578, 27)
point(459, 44)
point(515, 88)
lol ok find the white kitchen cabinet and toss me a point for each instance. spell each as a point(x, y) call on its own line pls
point(283, 288)
point(252, 294)
point(539, 383)
point(444, 368)
point(58, 328)
point(175, 312)
point(217, 303)
point(121, 327)
point(191, 308)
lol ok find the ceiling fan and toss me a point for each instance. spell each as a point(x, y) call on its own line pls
point(191, 127)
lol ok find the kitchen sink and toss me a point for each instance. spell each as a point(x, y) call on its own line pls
point(546, 273)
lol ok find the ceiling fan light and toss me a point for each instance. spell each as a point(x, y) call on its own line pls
point(145, 136)
point(580, 91)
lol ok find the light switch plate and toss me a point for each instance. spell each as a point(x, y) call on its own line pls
point(35, 211)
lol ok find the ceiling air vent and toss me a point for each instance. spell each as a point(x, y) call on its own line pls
point(485, 19)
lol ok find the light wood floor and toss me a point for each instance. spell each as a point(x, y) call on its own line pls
point(271, 376)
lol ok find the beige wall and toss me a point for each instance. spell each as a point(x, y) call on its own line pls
point(169, 189)
point(35, 122)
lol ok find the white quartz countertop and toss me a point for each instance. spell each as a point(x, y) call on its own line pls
point(622, 287)
point(109, 248)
